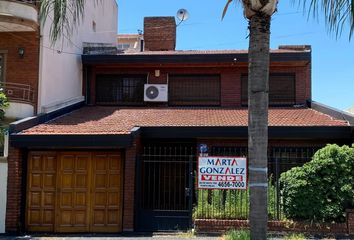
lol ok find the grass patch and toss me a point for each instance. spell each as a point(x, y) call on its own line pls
point(295, 236)
point(237, 235)
point(188, 234)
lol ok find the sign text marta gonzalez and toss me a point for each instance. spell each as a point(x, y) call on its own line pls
point(222, 173)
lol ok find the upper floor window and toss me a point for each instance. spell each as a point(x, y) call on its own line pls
point(194, 90)
point(281, 89)
point(120, 89)
point(2, 67)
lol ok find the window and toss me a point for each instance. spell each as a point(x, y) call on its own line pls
point(2, 67)
point(120, 89)
point(194, 90)
point(281, 89)
point(123, 46)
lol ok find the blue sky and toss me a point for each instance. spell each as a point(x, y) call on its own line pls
point(332, 59)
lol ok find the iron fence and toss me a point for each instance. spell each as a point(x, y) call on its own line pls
point(168, 185)
point(234, 204)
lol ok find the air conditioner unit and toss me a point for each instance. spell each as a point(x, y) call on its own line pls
point(155, 92)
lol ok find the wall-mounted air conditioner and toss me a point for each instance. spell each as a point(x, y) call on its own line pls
point(155, 92)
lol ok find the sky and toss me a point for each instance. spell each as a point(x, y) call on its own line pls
point(332, 58)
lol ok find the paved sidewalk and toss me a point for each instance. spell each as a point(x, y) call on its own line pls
point(149, 236)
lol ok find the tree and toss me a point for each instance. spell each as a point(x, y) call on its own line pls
point(259, 14)
point(65, 15)
point(3, 105)
point(338, 14)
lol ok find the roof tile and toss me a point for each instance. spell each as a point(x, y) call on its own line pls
point(114, 120)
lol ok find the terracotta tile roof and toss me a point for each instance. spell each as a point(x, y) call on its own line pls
point(113, 120)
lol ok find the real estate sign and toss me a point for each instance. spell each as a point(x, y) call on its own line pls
point(222, 173)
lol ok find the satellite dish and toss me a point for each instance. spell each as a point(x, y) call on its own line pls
point(182, 14)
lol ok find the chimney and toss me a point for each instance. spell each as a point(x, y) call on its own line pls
point(159, 33)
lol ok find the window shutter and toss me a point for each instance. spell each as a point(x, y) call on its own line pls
point(281, 89)
point(197, 90)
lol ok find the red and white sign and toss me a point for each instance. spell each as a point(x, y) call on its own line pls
point(222, 173)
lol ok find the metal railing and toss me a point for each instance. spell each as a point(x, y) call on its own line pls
point(33, 2)
point(18, 91)
point(234, 204)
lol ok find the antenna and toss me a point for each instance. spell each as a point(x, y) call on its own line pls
point(182, 15)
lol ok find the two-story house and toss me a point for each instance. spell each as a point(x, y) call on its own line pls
point(38, 76)
point(125, 161)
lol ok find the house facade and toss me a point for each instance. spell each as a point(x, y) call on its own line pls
point(37, 76)
point(125, 160)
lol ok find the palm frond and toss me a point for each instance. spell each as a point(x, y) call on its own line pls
point(225, 8)
point(339, 14)
point(64, 14)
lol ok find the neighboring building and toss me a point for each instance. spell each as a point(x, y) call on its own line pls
point(124, 161)
point(130, 42)
point(39, 77)
point(350, 110)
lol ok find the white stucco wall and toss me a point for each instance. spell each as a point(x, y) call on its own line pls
point(3, 191)
point(60, 65)
point(19, 110)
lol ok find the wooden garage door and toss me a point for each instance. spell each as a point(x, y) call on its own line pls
point(74, 192)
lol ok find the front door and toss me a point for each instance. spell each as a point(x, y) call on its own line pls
point(166, 187)
point(74, 192)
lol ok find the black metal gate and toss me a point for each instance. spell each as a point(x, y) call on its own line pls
point(165, 188)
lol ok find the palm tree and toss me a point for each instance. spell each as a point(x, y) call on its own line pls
point(259, 13)
point(338, 14)
point(64, 14)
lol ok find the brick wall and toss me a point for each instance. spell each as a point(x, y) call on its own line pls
point(218, 226)
point(129, 186)
point(350, 221)
point(159, 33)
point(21, 70)
point(230, 79)
point(14, 190)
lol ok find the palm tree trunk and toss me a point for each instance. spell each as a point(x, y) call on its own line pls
point(258, 75)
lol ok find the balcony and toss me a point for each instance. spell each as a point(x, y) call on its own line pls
point(22, 99)
point(18, 92)
point(18, 16)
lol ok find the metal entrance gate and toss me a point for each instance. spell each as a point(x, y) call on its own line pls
point(165, 188)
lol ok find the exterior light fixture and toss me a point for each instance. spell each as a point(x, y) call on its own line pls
point(157, 73)
point(21, 52)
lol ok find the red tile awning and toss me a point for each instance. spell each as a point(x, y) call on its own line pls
point(114, 120)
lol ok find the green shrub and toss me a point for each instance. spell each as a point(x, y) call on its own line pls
point(321, 189)
point(3, 105)
point(295, 236)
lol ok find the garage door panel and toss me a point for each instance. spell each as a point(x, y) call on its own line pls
point(50, 164)
point(81, 181)
point(49, 181)
point(41, 196)
point(49, 199)
point(74, 192)
point(67, 162)
point(106, 188)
